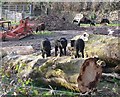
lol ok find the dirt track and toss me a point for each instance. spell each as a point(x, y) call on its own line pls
point(34, 40)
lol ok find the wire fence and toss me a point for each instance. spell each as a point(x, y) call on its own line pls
point(16, 11)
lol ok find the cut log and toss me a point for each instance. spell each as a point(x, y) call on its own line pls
point(90, 74)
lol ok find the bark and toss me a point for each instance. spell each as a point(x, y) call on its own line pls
point(57, 71)
point(64, 71)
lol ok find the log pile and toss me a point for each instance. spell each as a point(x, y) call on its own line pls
point(80, 74)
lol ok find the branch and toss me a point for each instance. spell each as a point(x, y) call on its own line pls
point(117, 76)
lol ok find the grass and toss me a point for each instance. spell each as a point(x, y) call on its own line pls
point(97, 25)
point(14, 23)
point(43, 33)
point(113, 24)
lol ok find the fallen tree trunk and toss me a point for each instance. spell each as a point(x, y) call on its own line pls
point(55, 71)
point(64, 71)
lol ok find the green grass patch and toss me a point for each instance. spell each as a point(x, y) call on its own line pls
point(113, 24)
point(43, 33)
point(84, 25)
point(14, 23)
point(97, 25)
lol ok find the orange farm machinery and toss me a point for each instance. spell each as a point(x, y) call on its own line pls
point(7, 32)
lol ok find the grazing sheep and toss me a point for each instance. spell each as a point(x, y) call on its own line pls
point(105, 21)
point(46, 47)
point(85, 20)
point(40, 27)
point(61, 44)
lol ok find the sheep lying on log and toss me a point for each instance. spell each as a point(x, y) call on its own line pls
point(46, 47)
point(61, 44)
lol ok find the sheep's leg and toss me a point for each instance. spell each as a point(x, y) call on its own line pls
point(82, 54)
point(65, 51)
point(43, 53)
point(77, 54)
point(56, 49)
point(48, 53)
point(61, 52)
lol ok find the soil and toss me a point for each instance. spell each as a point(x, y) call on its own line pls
point(55, 22)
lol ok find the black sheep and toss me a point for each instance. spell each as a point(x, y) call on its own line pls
point(61, 44)
point(79, 45)
point(46, 47)
point(105, 20)
point(40, 27)
point(86, 21)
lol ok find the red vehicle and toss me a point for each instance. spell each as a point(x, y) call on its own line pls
point(7, 32)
